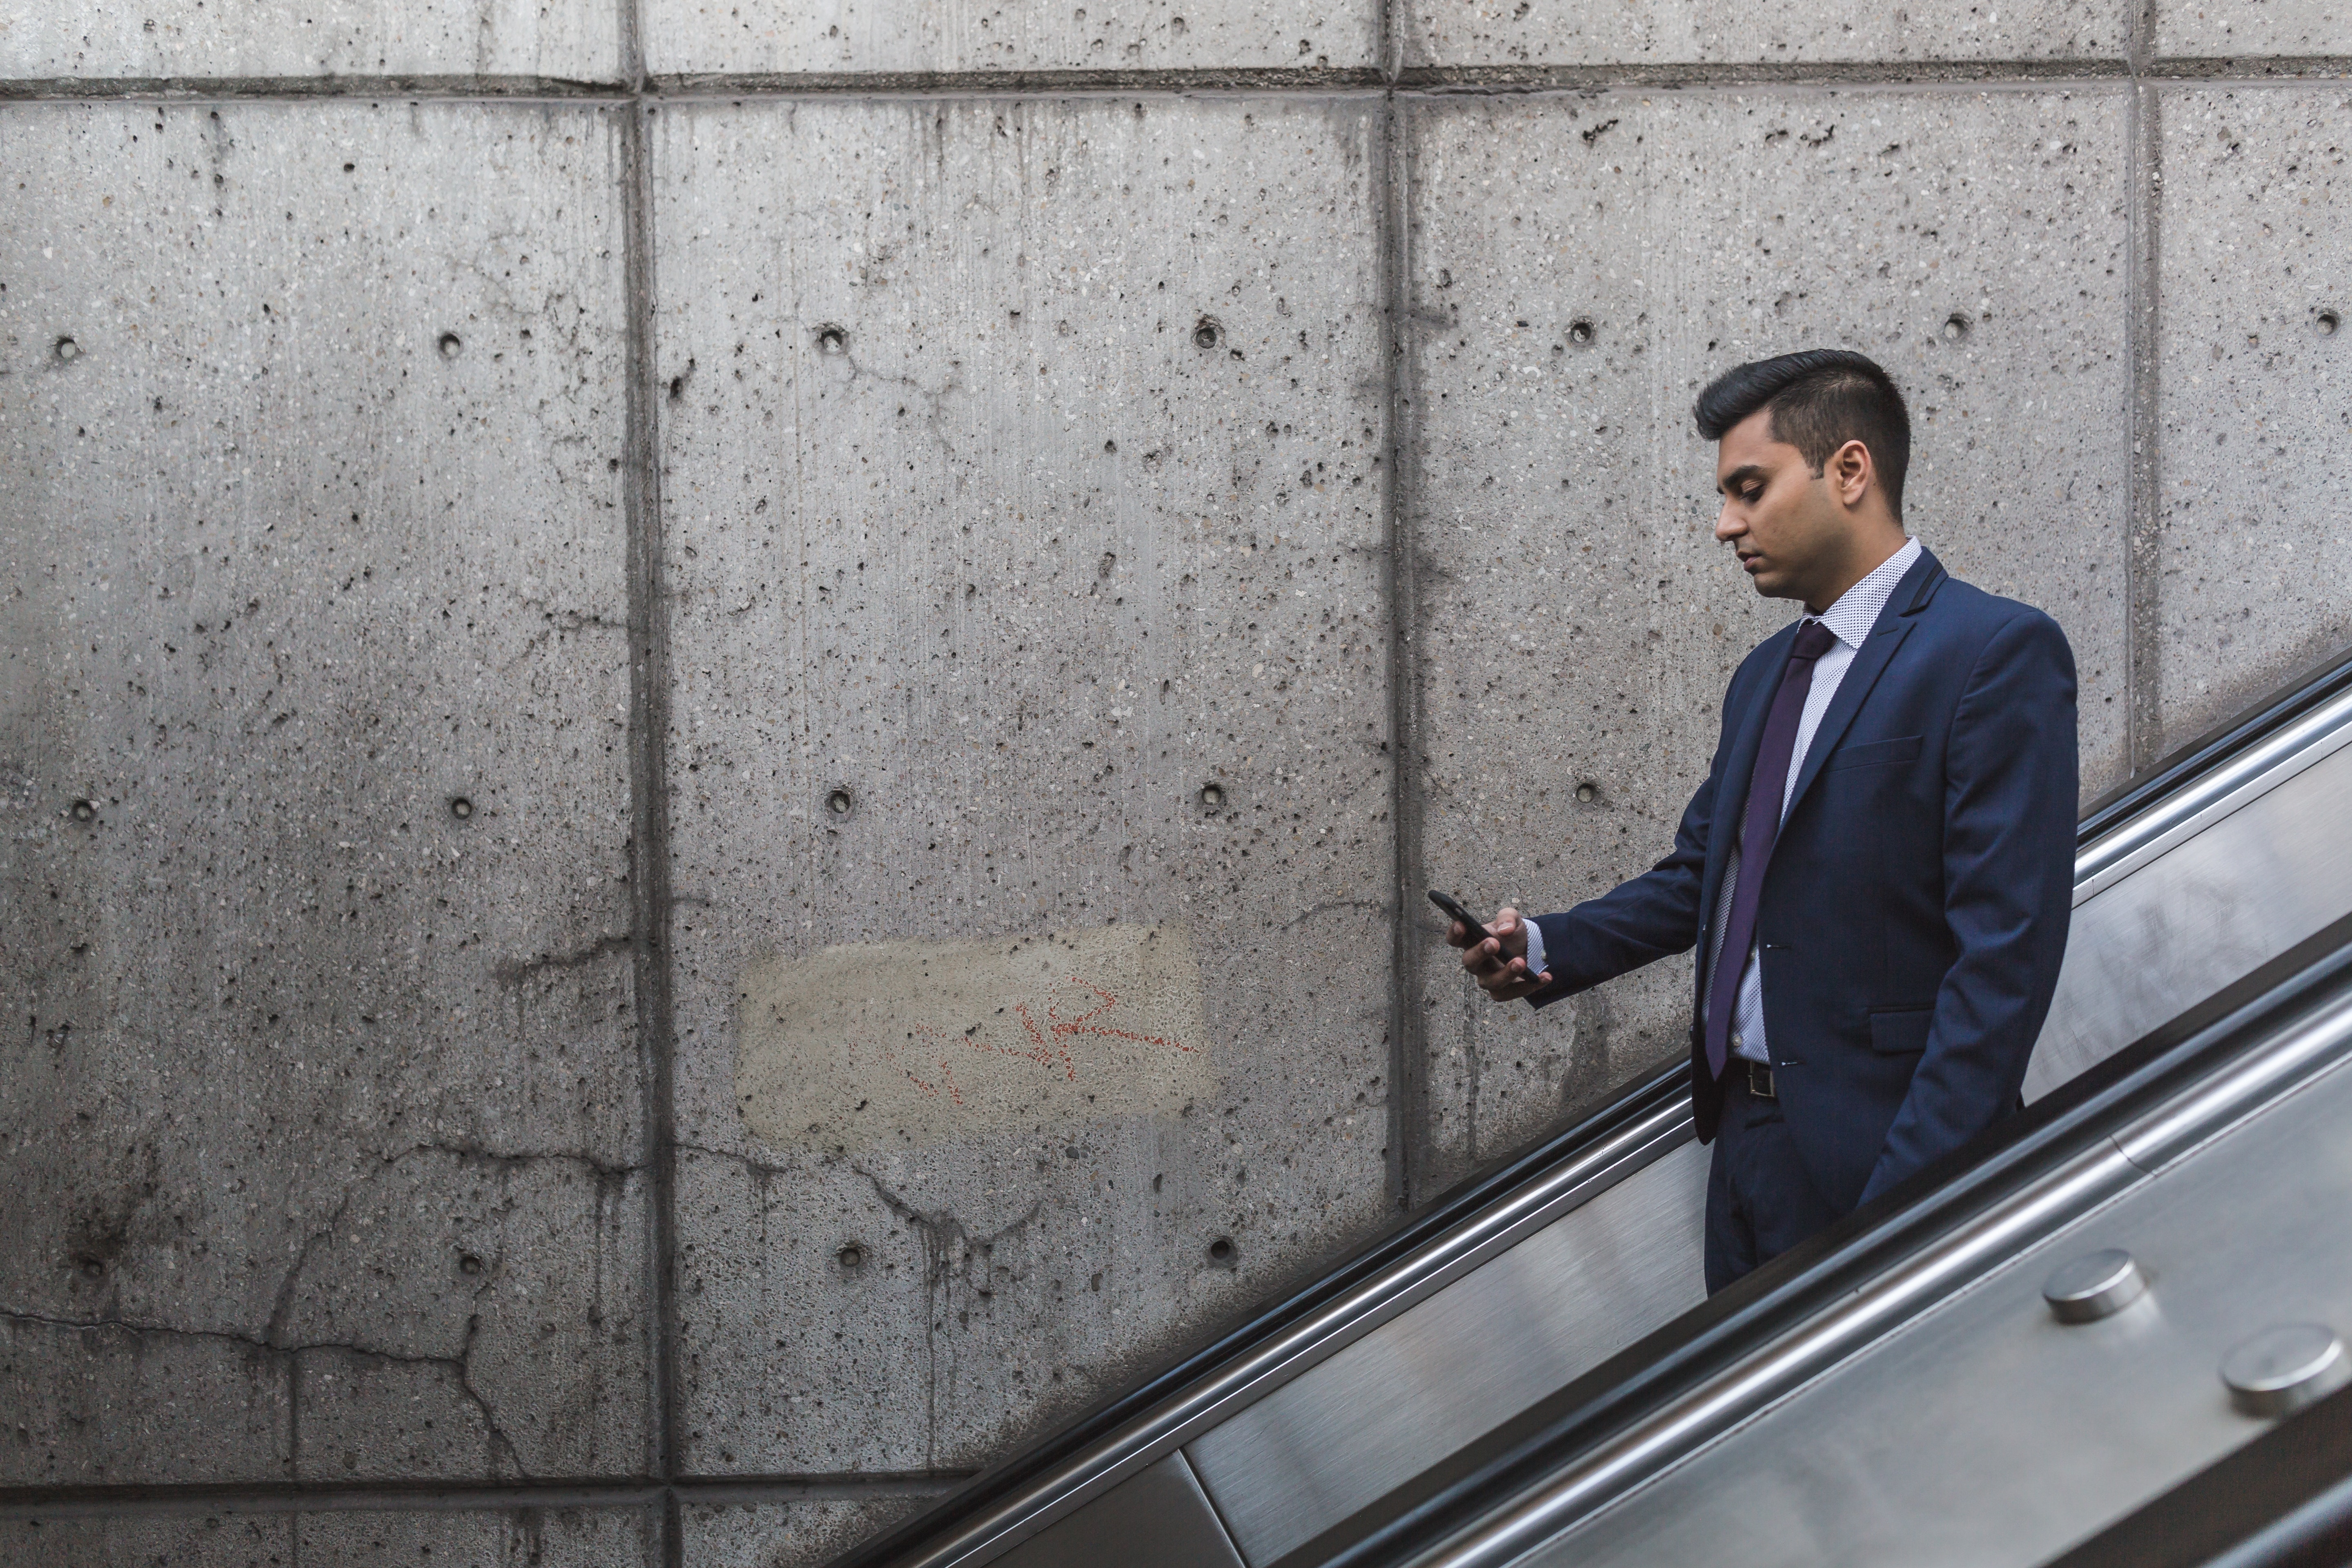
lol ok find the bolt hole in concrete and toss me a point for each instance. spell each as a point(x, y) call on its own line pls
point(833, 340)
point(2328, 320)
point(84, 811)
point(838, 803)
point(451, 345)
point(1955, 327)
point(68, 351)
point(461, 809)
point(1588, 792)
point(469, 1264)
point(852, 1257)
point(92, 1267)
point(1221, 1251)
point(1212, 796)
point(1579, 333)
point(1207, 333)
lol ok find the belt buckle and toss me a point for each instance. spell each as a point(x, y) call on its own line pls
point(1760, 1081)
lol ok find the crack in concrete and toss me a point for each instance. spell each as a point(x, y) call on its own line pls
point(274, 1337)
point(458, 1366)
point(512, 975)
point(949, 1248)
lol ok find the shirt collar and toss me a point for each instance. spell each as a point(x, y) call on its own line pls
point(1858, 609)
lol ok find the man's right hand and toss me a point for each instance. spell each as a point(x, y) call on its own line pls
point(1499, 964)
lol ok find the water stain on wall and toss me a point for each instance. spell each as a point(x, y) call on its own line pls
point(906, 1043)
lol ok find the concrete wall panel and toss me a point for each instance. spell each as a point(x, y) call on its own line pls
point(527, 1538)
point(1577, 621)
point(2256, 389)
point(309, 420)
point(787, 1534)
point(2201, 29)
point(1023, 495)
point(842, 36)
point(1559, 33)
point(573, 40)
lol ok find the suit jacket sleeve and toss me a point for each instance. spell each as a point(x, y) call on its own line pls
point(2009, 886)
point(1653, 916)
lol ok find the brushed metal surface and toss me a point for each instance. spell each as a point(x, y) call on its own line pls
point(1155, 1518)
point(1984, 1432)
point(1474, 1354)
point(2212, 907)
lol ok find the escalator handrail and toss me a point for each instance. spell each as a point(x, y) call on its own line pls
point(1477, 1218)
point(1118, 1435)
point(1670, 1392)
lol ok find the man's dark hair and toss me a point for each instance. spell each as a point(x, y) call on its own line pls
point(1820, 400)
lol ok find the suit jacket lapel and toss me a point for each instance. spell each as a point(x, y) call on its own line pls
point(1870, 661)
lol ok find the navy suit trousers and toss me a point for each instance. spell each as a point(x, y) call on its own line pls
point(1760, 1200)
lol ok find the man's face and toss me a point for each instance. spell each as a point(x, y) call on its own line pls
point(1778, 515)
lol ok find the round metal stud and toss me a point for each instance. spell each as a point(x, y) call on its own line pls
point(2281, 1370)
point(2094, 1286)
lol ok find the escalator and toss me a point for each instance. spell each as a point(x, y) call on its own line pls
point(1469, 1387)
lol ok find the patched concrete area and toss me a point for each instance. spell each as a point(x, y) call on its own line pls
point(2256, 389)
point(901, 1044)
point(1578, 621)
point(567, 40)
point(1538, 33)
point(838, 36)
point(322, 1104)
point(1023, 466)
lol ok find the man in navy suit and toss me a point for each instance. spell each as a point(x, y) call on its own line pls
point(1879, 868)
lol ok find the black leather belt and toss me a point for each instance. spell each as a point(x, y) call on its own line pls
point(1760, 1080)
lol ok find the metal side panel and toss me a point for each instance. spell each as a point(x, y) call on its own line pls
point(1987, 1433)
point(1157, 1517)
point(2218, 906)
point(1461, 1363)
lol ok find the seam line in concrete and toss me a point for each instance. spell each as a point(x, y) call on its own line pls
point(1408, 1101)
point(1422, 80)
point(459, 1497)
point(2143, 512)
point(648, 783)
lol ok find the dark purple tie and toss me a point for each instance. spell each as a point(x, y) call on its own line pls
point(1757, 827)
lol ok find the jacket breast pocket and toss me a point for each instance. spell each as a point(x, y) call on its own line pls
point(1877, 754)
point(1901, 1033)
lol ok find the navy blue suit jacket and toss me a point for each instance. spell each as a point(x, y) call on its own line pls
point(1915, 911)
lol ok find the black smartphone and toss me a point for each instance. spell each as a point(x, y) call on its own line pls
point(1453, 907)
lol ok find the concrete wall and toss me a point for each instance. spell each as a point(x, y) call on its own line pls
point(722, 722)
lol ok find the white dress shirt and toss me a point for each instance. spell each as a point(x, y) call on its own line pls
point(1849, 621)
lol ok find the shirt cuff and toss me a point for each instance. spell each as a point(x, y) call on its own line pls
point(1535, 948)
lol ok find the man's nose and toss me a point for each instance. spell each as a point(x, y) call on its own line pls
point(1727, 525)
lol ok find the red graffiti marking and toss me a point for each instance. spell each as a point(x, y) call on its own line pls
point(1048, 1047)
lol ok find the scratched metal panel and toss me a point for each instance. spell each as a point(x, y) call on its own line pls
point(1157, 1519)
point(1469, 1358)
point(2210, 910)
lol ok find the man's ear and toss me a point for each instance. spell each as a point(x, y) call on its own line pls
point(1849, 470)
